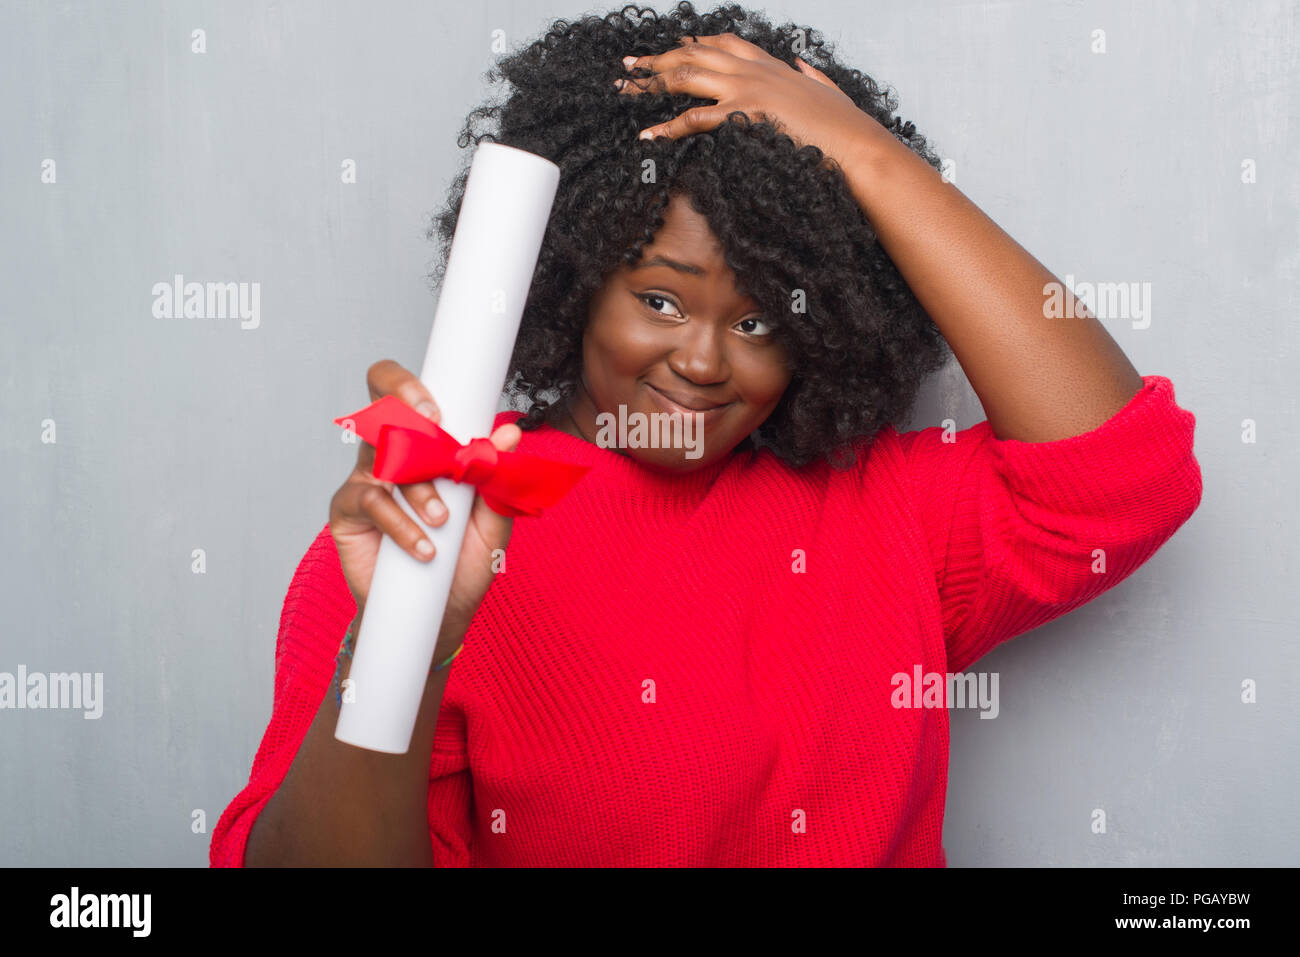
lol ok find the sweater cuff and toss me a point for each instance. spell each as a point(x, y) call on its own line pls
point(1139, 458)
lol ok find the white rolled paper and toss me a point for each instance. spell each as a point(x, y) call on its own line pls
point(490, 265)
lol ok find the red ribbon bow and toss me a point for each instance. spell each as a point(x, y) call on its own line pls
point(412, 448)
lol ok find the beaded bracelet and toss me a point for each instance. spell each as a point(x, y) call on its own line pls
point(349, 640)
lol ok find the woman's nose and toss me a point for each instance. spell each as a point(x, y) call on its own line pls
point(700, 356)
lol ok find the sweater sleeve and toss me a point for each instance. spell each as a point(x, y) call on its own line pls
point(317, 611)
point(451, 787)
point(1020, 533)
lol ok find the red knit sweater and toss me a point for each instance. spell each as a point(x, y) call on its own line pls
point(700, 670)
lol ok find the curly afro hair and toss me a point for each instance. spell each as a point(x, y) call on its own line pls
point(790, 228)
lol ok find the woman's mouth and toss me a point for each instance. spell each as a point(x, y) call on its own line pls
point(702, 416)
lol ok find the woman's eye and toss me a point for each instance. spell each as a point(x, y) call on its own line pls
point(651, 299)
point(656, 302)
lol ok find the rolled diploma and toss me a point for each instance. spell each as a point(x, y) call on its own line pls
point(490, 265)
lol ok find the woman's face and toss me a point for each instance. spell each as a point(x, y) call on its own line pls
point(674, 325)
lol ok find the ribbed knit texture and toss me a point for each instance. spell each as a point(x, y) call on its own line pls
point(697, 670)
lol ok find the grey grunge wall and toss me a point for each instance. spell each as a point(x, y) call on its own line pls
point(165, 472)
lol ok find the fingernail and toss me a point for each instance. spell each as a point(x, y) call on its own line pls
point(436, 510)
point(645, 135)
point(628, 61)
point(424, 547)
point(427, 409)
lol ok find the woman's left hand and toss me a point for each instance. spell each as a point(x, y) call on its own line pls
point(804, 103)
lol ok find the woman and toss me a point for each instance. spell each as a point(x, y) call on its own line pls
point(704, 653)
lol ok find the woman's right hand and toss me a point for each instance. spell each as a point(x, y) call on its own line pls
point(363, 510)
